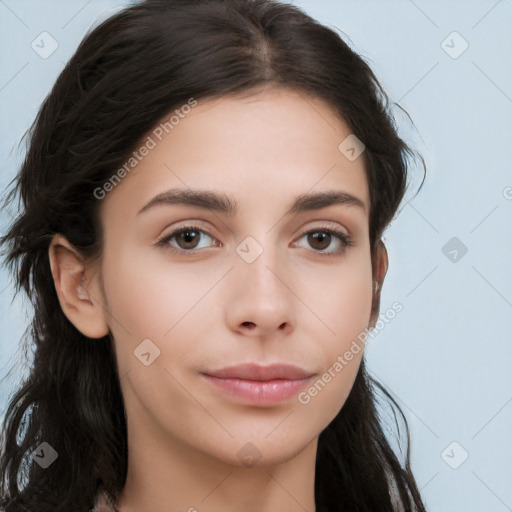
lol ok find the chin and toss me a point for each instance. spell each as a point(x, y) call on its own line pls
point(259, 451)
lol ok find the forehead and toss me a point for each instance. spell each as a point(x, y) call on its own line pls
point(273, 144)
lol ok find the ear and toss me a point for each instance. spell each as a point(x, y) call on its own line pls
point(380, 267)
point(78, 289)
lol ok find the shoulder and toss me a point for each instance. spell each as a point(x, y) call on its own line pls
point(102, 500)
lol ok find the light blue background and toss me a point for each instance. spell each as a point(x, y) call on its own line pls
point(447, 356)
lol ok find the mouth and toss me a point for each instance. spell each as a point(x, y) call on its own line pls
point(259, 385)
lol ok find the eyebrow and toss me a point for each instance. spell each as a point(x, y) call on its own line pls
point(228, 205)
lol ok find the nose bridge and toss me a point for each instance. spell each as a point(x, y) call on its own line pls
point(258, 263)
point(261, 293)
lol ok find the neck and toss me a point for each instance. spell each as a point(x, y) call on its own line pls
point(167, 475)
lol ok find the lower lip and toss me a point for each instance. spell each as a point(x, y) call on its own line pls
point(259, 392)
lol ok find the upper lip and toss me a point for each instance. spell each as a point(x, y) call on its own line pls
point(258, 372)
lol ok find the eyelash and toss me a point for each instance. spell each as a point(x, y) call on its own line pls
point(343, 237)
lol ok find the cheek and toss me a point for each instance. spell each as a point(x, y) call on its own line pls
point(344, 307)
point(147, 301)
point(341, 300)
point(154, 298)
point(346, 315)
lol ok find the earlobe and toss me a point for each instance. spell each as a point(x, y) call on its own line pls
point(79, 296)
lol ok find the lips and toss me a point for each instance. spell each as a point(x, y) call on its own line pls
point(259, 385)
point(260, 373)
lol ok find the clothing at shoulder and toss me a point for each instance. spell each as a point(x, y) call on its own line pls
point(103, 501)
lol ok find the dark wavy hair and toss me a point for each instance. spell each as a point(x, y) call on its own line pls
point(126, 75)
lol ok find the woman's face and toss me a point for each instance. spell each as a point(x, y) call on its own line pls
point(247, 284)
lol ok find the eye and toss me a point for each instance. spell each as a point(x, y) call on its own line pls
point(187, 238)
point(322, 237)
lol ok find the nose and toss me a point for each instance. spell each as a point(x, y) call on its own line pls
point(261, 299)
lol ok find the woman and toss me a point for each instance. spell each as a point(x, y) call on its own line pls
point(204, 196)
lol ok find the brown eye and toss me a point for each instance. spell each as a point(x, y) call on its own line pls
point(186, 240)
point(319, 240)
point(322, 238)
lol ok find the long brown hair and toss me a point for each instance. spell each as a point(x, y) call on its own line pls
point(126, 75)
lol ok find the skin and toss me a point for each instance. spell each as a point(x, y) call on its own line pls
point(213, 309)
